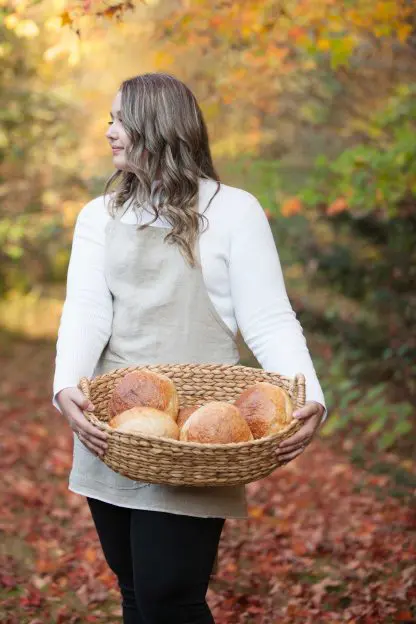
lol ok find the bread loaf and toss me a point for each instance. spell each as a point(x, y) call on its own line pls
point(216, 422)
point(267, 408)
point(146, 421)
point(184, 414)
point(144, 388)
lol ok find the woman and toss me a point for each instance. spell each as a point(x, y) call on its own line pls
point(140, 296)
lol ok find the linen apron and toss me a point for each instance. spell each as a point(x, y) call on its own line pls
point(162, 314)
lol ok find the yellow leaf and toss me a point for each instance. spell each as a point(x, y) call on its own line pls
point(65, 18)
point(323, 44)
point(403, 31)
point(162, 58)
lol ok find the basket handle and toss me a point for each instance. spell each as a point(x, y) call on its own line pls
point(84, 386)
point(297, 388)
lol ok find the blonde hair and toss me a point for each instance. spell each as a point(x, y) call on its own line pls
point(168, 143)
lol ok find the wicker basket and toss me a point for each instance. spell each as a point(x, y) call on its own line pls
point(160, 460)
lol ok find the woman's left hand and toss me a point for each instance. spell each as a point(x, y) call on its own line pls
point(311, 413)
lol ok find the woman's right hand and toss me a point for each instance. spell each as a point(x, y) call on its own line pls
point(72, 401)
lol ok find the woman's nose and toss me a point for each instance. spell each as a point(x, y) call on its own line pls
point(110, 134)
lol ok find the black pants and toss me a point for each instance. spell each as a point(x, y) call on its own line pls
point(162, 562)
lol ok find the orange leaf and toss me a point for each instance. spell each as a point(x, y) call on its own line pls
point(296, 32)
point(379, 195)
point(299, 547)
point(111, 11)
point(256, 512)
point(291, 207)
point(339, 205)
point(403, 616)
point(90, 555)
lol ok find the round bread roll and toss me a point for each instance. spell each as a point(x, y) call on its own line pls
point(147, 421)
point(144, 388)
point(184, 414)
point(266, 408)
point(216, 422)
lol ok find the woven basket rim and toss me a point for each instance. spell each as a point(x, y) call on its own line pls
point(242, 367)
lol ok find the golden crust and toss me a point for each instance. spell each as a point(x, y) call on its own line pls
point(267, 408)
point(216, 422)
point(147, 421)
point(144, 388)
point(184, 414)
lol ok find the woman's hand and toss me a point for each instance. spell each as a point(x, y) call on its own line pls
point(311, 414)
point(72, 401)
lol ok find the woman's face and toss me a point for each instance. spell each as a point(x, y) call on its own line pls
point(116, 134)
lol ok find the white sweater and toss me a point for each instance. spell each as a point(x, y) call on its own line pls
point(242, 273)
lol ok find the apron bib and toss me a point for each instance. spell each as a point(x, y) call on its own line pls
point(162, 314)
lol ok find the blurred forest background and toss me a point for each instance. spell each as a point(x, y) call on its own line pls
point(311, 107)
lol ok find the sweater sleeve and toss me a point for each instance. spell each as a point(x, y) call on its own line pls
point(86, 318)
point(262, 308)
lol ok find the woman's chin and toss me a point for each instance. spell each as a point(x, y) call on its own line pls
point(118, 162)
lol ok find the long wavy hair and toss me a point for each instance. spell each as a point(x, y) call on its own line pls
point(168, 153)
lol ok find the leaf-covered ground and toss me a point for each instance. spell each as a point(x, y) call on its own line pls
point(326, 541)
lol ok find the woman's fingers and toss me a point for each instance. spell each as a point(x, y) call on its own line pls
point(288, 456)
point(90, 433)
point(81, 423)
point(85, 425)
point(98, 445)
point(91, 445)
point(288, 448)
point(298, 441)
point(91, 436)
point(73, 402)
point(309, 409)
point(286, 452)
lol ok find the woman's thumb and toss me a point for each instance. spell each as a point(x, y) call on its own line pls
point(85, 403)
point(88, 405)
